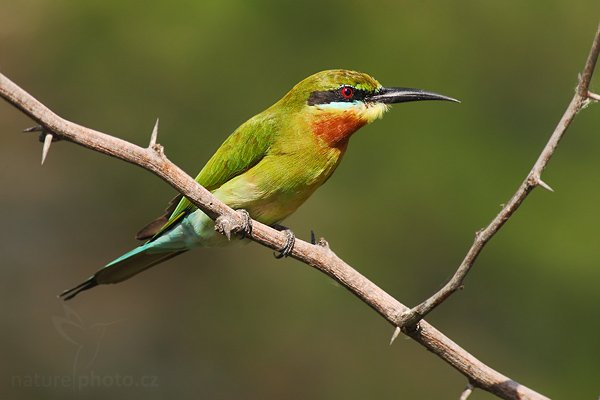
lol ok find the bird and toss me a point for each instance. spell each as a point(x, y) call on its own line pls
point(267, 167)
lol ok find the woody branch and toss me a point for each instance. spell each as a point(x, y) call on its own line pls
point(580, 100)
point(318, 256)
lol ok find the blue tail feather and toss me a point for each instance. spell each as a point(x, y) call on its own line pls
point(122, 268)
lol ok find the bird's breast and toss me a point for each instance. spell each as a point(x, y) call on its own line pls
point(336, 128)
point(281, 182)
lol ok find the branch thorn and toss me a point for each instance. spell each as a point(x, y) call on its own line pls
point(36, 128)
point(395, 335)
point(593, 96)
point(154, 135)
point(46, 137)
point(544, 185)
point(467, 392)
point(47, 142)
point(323, 243)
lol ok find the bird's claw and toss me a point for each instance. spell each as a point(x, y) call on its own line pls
point(246, 229)
point(224, 225)
point(288, 246)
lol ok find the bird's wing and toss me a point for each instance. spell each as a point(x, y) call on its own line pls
point(155, 226)
point(240, 152)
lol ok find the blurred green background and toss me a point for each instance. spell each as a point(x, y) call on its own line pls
point(402, 208)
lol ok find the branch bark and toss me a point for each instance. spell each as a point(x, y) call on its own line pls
point(320, 257)
point(580, 100)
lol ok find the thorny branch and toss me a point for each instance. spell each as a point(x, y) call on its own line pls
point(320, 256)
point(580, 100)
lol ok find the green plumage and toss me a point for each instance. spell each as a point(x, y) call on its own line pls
point(268, 166)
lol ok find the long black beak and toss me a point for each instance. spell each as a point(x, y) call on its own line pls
point(401, 95)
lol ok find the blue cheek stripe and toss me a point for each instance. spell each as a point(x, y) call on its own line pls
point(340, 105)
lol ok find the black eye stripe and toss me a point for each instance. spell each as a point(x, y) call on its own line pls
point(335, 95)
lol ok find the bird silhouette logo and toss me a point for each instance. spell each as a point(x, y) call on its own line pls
point(87, 338)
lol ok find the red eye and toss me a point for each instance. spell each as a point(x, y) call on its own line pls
point(347, 92)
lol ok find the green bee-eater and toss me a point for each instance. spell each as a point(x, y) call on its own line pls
point(268, 166)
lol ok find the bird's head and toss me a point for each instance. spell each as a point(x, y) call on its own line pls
point(338, 102)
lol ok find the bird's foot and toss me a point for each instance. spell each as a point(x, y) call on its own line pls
point(225, 226)
point(246, 229)
point(287, 248)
